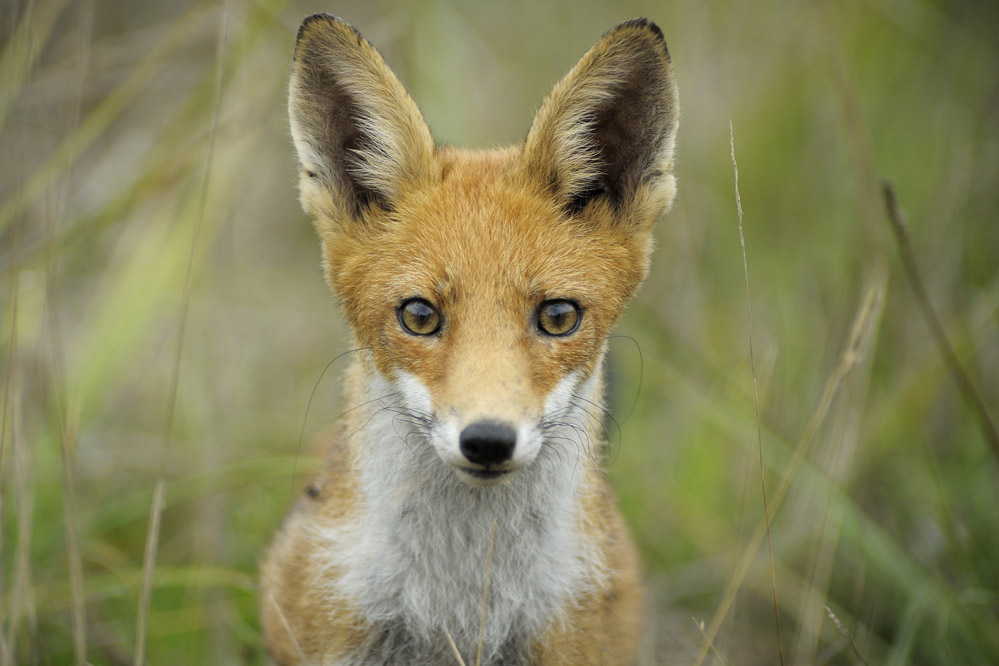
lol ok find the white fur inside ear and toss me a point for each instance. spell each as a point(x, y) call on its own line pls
point(309, 158)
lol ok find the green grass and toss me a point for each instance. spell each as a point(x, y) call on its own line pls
point(148, 181)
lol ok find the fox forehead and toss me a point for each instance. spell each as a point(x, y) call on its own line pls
point(479, 237)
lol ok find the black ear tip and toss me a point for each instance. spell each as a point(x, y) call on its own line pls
point(333, 23)
point(645, 24)
point(310, 20)
point(642, 22)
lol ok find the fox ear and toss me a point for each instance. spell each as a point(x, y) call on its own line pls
point(360, 138)
point(606, 131)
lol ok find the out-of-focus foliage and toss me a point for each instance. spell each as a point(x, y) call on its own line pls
point(151, 246)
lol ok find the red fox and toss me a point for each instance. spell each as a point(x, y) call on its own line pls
point(464, 508)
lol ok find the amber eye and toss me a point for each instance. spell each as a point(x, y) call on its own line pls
point(418, 317)
point(560, 317)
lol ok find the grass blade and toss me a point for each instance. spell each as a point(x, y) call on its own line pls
point(756, 397)
point(148, 569)
point(964, 384)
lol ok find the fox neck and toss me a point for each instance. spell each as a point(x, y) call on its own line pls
point(425, 539)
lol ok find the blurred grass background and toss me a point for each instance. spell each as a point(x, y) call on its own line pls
point(164, 316)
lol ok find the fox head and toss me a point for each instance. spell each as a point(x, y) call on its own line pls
point(483, 285)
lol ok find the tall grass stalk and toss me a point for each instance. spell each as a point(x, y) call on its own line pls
point(863, 325)
point(152, 539)
point(912, 274)
point(756, 396)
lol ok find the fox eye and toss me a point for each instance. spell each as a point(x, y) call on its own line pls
point(418, 317)
point(559, 317)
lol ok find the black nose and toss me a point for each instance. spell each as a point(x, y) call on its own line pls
point(487, 442)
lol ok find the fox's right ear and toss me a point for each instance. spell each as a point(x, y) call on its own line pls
point(360, 138)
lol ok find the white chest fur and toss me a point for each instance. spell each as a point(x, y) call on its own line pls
point(415, 561)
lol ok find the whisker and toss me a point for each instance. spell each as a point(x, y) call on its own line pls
point(370, 418)
point(308, 408)
point(585, 442)
point(641, 373)
point(606, 414)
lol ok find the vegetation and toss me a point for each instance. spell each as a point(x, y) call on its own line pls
point(166, 327)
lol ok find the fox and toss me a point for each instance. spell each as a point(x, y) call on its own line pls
point(463, 512)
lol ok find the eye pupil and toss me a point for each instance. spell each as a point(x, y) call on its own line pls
point(418, 317)
point(560, 317)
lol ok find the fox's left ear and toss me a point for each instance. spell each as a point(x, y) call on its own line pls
point(604, 135)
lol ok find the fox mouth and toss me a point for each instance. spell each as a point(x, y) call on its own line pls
point(482, 476)
point(487, 473)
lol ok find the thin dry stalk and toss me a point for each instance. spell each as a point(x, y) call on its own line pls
point(21, 597)
point(17, 595)
point(67, 434)
point(152, 536)
point(843, 446)
point(485, 591)
point(6, 420)
point(454, 648)
point(915, 279)
point(16, 63)
point(5, 656)
point(863, 325)
point(66, 440)
point(846, 632)
point(209, 527)
point(148, 567)
point(287, 626)
point(709, 641)
point(756, 396)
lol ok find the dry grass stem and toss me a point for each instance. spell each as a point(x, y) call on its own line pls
point(709, 641)
point(286, 625)
point(67, 431)
point(75, 560)
point(454, 648)
point(22, 597)
point(915, 279)
point(756, 396)
point(18, 596)
point(148, 568)
point(6, 421)
point(846, 632)
point(485, 591)
point(863, 326)
point(152, 537)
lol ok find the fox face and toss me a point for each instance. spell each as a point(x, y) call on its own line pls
point(481, 286)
